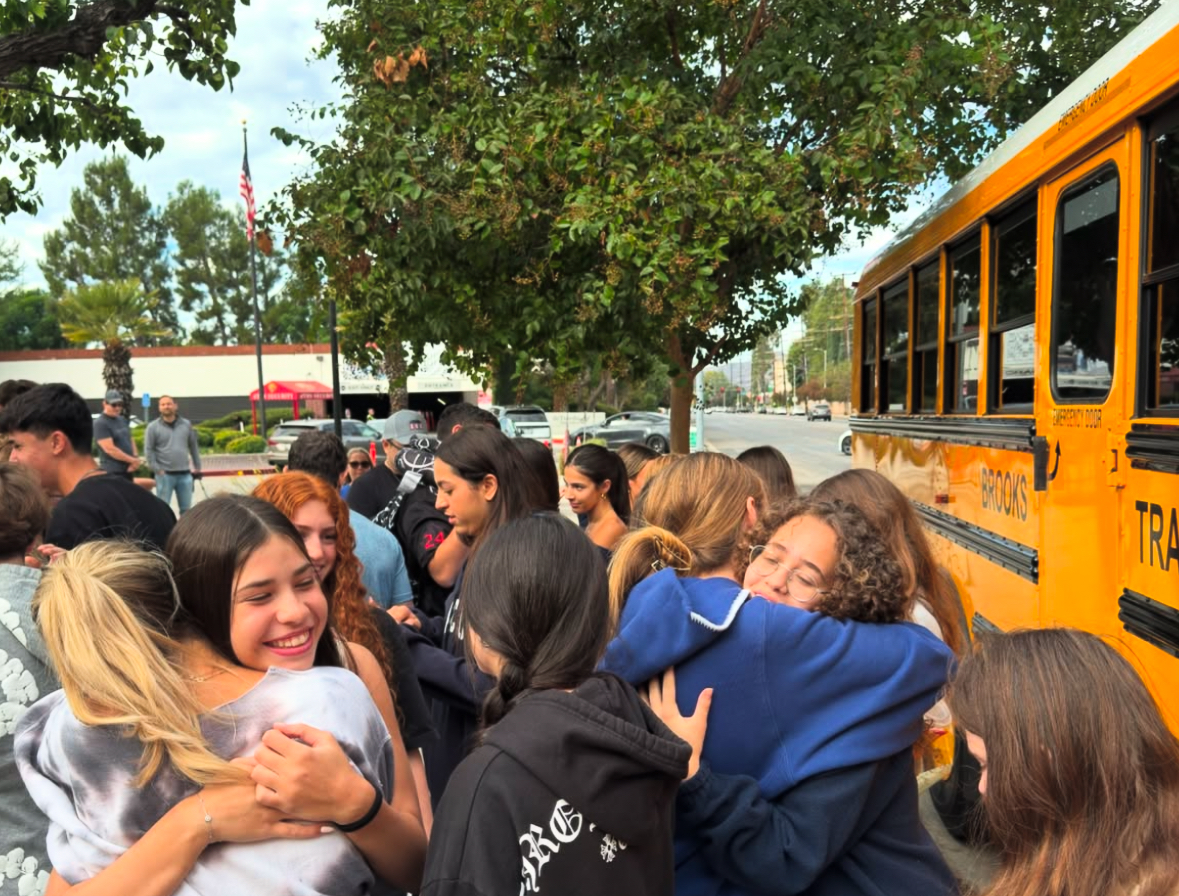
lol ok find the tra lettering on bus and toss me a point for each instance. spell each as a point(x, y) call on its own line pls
point(1005, 492)
point(1158, 535)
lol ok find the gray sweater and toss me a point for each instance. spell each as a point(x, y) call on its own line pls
point(25, 677)
point(167, 446)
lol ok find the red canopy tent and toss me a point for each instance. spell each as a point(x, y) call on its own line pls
point(293, 391)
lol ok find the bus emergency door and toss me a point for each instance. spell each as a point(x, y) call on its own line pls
point(1081, 396)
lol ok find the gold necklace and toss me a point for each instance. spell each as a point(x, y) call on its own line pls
point(205, 677)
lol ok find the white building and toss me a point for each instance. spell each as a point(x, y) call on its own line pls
point(211, 381)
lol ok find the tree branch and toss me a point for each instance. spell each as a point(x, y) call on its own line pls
point(83, 36)
point(10, 85)
point(669, 18)
point(730, 85)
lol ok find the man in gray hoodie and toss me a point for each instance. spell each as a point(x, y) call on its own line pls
point(25, 673)
point(168, 444)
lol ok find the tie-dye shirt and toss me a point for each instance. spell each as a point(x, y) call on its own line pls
point(82, 777)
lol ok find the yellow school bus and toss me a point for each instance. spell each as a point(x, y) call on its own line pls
point(1017, 354)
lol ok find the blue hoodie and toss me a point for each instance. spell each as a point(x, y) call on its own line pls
point(796, 694)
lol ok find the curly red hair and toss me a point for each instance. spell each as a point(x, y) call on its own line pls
point(351, 616)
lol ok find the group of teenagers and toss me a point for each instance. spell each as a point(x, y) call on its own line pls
point(706, 685)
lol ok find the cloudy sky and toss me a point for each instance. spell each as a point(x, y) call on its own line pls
point(203, 137)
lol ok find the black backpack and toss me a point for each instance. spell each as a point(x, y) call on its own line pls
point(416, 465)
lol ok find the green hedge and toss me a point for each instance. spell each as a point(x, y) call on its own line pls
point(222, 439)
point(274, 416)
point(204, 437)
point(247, 445)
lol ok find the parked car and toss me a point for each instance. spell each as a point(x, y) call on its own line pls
point(820, 410)
point(355, 434)
point(845, 442)
point(653, 430)
point(797, 410)
point(530, 421)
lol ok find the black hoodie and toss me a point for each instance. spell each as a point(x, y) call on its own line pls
point(571, 793)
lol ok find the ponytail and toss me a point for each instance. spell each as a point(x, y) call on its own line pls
point(512, 685)
point(108, 612)
point(638, 555)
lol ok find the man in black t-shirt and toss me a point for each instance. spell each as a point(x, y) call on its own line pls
point(51, 429)
point(432, 559)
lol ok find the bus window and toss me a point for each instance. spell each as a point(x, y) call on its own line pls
point(1011, 366)
point(895, 370)
point(868, 370)
point(925, 343)
point(1162, 274)
point(962, 296)
point(1085, 298)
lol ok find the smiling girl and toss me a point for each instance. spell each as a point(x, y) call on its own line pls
point(242, 720)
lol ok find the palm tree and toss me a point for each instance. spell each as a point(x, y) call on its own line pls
point(115, 313)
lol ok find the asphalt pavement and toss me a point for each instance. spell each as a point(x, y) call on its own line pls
point(811, 448)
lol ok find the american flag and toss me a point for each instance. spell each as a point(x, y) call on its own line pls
point(246, 188)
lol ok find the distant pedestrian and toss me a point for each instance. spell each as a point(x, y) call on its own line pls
point(112, 434)
point(347, 413)
point(51, 430)
point(371, 415)
point(168, 445)
point(359, 463)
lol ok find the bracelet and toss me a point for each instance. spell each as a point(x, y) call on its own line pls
point(364, 819)
point(208, 817)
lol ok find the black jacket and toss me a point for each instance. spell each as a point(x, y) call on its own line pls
point(570, 794)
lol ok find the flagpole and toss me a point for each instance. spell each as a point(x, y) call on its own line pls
point(254, 296)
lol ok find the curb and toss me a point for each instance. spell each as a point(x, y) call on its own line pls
point(215, 473)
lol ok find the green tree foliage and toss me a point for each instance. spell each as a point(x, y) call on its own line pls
point(716, 388)
point(115, 313)
point(65, 68)
point(561, 180)
point(823, 354)
point(113, 232)
point(211, 261)
point(28, 319)
point(762, 367)
point(213, 279)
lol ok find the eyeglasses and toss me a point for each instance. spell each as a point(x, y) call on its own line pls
point(363, 464)
point(799, 582)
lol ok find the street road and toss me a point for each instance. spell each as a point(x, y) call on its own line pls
point(811, 448)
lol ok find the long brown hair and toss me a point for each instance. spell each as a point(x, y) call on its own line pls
point(693, 514)
point(1082, 794)
point(771, 465)
point(866, 585)
point(893, 516)
point(351, 615)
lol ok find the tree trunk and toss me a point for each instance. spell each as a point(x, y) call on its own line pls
point(681, 412)
point(395, 370)
point(683, 382)
point(116, 371)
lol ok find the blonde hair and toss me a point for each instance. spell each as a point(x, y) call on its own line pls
point(110, 615)
point(693, 515)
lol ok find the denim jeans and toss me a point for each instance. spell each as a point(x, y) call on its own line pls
point(180, 483)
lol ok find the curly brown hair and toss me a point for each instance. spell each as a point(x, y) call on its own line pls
point(867, 585)
point(351, 616)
